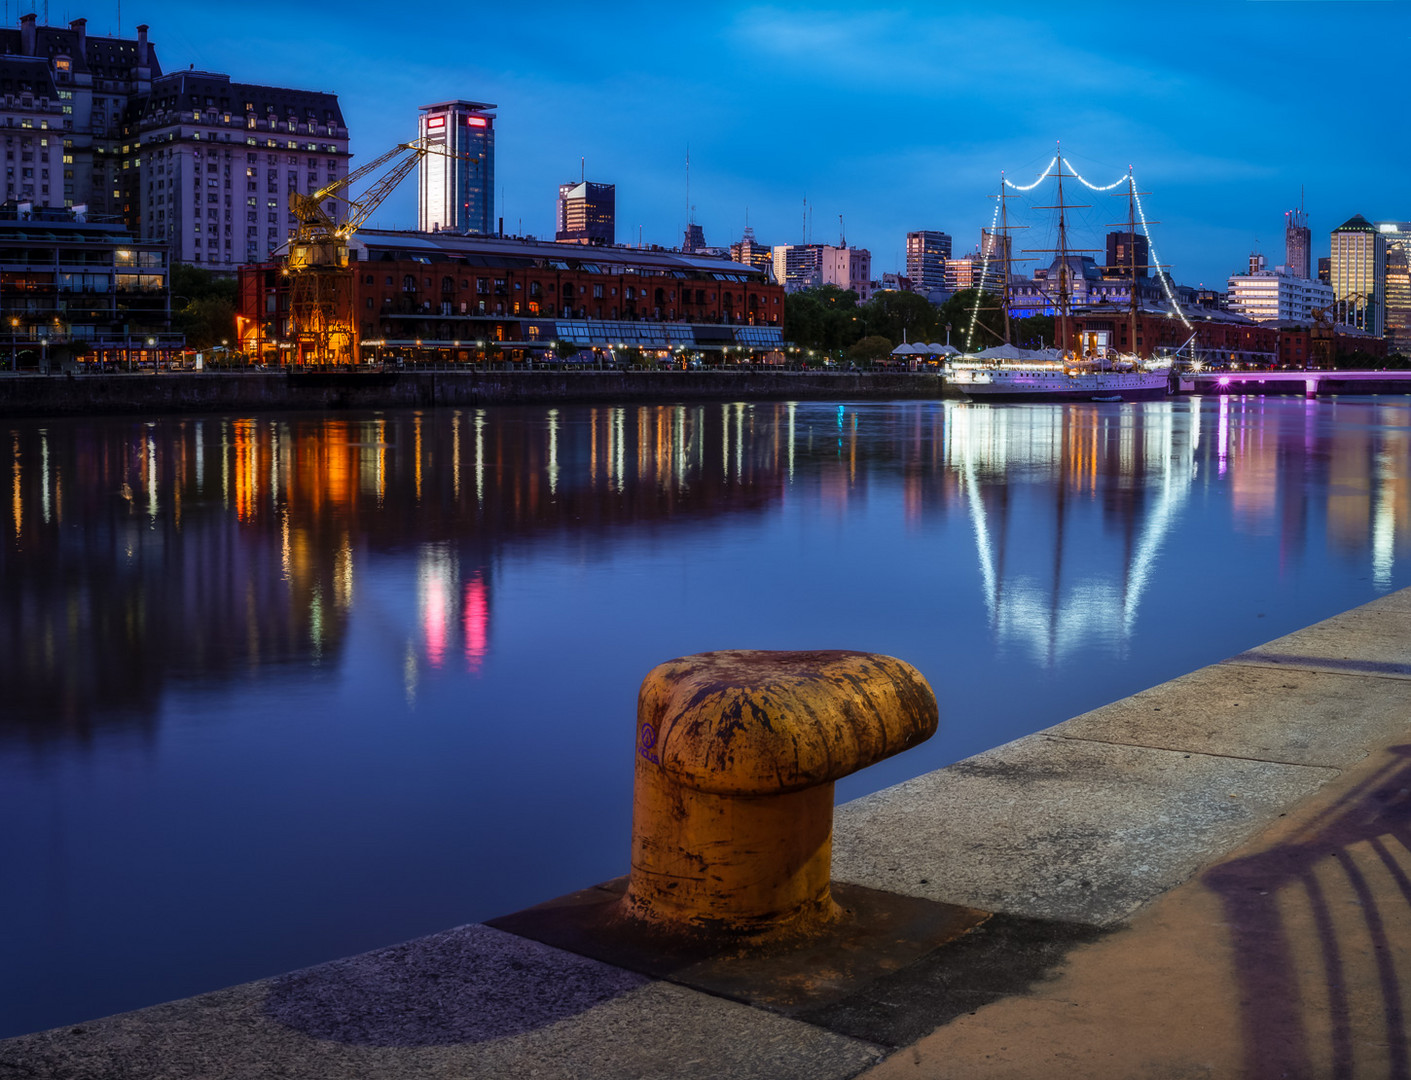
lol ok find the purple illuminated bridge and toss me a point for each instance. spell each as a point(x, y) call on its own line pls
point(1311, 383)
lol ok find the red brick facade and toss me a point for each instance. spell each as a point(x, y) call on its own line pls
point(1223, 339)
point(459, 298)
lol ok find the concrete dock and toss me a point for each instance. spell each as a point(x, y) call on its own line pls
point(1211, 878)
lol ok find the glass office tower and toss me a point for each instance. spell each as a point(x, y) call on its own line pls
point(457, 187)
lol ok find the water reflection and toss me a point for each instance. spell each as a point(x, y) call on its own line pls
point(207, 549)
point(1070, 510)
point(142, 552)
point(281, 688)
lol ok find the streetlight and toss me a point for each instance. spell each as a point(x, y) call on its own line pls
point(14, 344)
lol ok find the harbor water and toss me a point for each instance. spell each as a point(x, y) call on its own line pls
point(280, 688)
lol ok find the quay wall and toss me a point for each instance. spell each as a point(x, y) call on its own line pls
point(60, 395)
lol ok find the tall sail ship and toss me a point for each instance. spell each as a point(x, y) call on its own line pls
point(1075, 369)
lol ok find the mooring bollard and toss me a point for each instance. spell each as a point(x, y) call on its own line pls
point(737, 752)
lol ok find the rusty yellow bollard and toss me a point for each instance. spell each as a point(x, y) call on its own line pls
point(737, 752)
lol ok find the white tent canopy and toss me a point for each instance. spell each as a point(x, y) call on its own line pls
point(1014, 352)
point(921, 348)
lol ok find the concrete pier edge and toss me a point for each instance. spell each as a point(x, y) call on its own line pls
point(1211, 877)
point(221, 391)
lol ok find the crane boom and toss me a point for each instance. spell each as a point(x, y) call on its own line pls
point(321, 289)
point(315, 223)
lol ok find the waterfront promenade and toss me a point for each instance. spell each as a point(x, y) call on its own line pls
point(1210, 878)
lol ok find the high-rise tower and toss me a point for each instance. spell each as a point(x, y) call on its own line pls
point(1128, 253)
point(926, 253)
point(1359, 256)
point(587, 213)
point(1397, 235)
point(1298, 244)
point(456, 189)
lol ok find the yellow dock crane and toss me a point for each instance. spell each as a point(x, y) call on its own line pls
point(1323, 333)
point(321, 311)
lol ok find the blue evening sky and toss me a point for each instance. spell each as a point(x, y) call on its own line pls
point(898, 119)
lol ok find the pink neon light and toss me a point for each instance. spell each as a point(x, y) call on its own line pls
point(1224, 380)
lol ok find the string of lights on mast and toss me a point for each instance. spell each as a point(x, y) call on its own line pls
point(1128, 179)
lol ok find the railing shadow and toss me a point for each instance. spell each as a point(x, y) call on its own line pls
point(1313, 924)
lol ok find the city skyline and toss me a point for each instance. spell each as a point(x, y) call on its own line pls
point(946, 99)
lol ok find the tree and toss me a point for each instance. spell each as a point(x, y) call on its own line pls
point(902, 316)
point(870, 349)
point(203, 305)
point(206, 322)
point(823, 317)
point(959, 312)
point(1035, 332)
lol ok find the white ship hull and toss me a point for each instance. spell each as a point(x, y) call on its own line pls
point(1003, 383)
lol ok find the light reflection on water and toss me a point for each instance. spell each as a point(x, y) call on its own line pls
point(281, 688)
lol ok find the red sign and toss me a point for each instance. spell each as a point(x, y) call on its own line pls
point(436, 122)
point(475, 121)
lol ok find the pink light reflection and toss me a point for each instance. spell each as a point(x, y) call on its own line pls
point(433, 623)
point(475, 621)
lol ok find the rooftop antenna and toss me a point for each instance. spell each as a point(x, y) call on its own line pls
point(803, 225)
point(842, 236)
point(582, 170)
point(690, 210)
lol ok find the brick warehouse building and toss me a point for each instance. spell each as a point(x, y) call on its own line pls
point(1226, 338)
point(446, 296)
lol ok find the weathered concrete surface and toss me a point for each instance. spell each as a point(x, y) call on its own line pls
point(60, 395)
point(1370, 640)
point(1291, 957)
point(469, 1003)
point(1287, 714)
point(1056, 828)
point(1097, 816)
point(1287, 956)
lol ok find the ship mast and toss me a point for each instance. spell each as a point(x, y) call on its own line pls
point(993, 240)
point(1004, 243)
point(1062, 329)
point(1063, 298)
point(1132, 258)
point(1133, 308)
